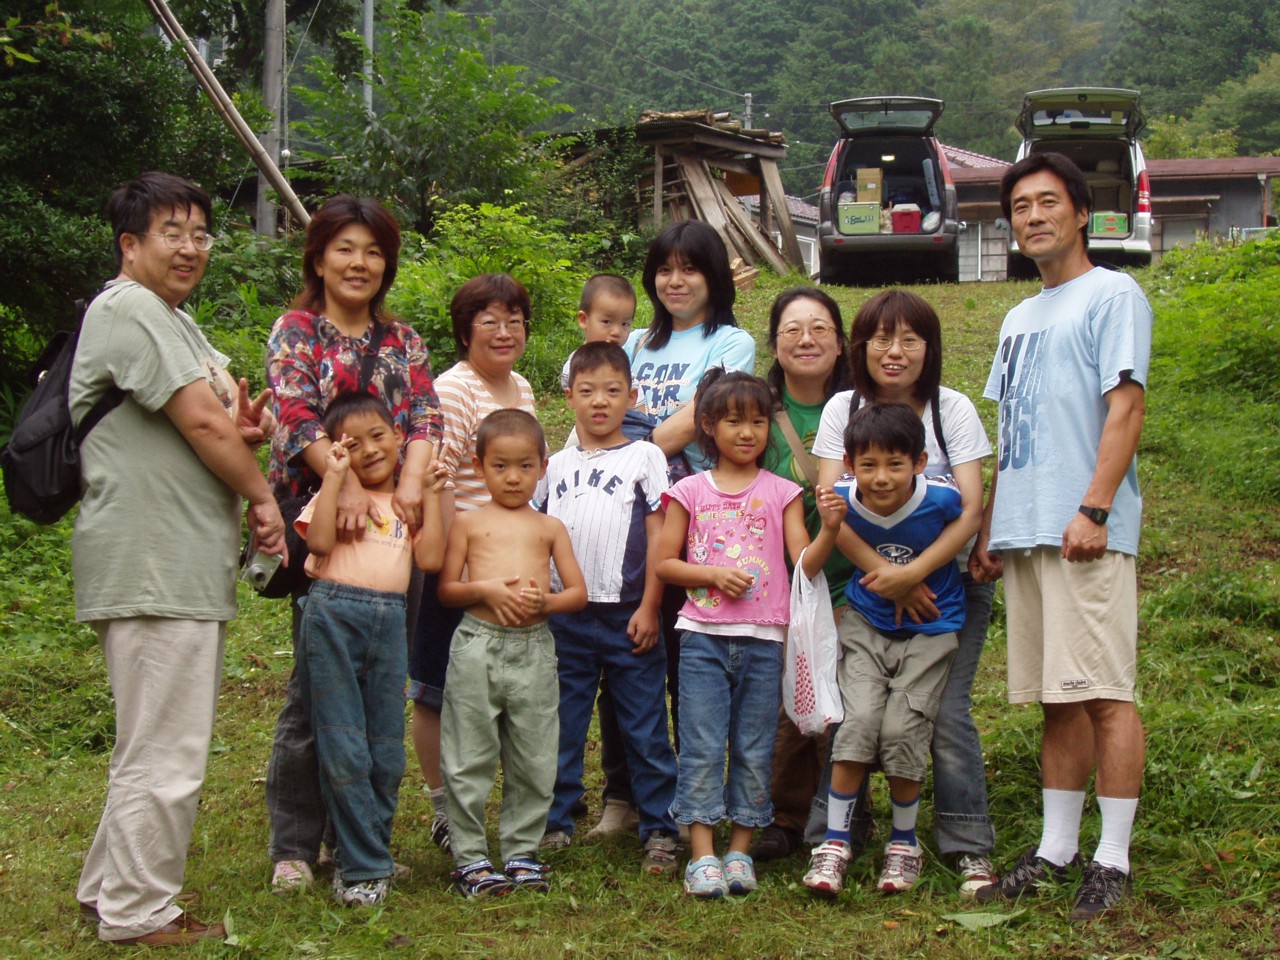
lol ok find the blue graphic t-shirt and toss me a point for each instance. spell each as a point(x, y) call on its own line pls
point(668, 378)
point(1059, 353)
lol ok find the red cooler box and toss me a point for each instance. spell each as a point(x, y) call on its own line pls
point(906, 218)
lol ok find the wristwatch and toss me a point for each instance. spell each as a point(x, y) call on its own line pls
point(1097, 514)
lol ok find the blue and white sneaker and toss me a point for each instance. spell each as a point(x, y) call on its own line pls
point(739, 873)
point(704, 878)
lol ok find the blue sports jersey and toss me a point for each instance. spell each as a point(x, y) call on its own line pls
point(901, 538)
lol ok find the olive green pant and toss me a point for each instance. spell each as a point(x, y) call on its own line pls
point(501, 702)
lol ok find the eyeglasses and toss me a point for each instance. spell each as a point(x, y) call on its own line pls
point(176, 241)
point(510, 325)
point(883, 344)
point(817, 331)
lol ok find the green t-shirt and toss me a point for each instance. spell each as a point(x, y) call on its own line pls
point(780, 460)
point(157, 533)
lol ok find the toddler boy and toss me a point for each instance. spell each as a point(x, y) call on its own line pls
point(352, 645)
point(608, 493)
point(892, 674)
point(499, 699)
point(606, 311)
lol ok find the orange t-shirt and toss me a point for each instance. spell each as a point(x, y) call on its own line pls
point(380, 560)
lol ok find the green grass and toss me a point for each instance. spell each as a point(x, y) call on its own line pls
point(1206, 846)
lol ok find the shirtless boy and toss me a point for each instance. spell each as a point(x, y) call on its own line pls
point(501, 697)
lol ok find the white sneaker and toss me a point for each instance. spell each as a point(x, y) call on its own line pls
point(618, 817)
point(827, 866)
point(555, 840)
point(290, 875)
point(902, 862)
point(975, 872)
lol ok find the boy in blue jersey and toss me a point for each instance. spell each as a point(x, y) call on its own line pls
point(892, 674)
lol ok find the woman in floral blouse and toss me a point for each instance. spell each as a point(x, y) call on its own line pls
point(337, 338)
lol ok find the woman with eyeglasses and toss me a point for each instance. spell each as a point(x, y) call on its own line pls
point(810, 366)
point(490, 315)
point(897, 358)
point(337, 337)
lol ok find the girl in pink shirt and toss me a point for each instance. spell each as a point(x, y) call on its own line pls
point(736, 525)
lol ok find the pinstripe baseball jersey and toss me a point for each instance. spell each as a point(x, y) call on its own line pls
point(603, 497)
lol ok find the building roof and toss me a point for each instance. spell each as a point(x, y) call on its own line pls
point(1216, 167)
point(958, 157)
point(1196, 168)
point(799, 209)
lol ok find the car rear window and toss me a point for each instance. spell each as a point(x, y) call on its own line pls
point(1084, 116)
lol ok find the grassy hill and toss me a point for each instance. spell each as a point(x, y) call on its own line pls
point(1207, 841)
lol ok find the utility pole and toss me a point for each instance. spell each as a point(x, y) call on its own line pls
point(272, 89)
point(226, 109)
point(368, 57)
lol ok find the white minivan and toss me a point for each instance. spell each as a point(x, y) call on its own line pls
point(1097, 128)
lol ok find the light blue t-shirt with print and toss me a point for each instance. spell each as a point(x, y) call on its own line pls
point(1059, 353)
point(668, 378)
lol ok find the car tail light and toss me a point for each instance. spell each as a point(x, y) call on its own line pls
point(1144, 192)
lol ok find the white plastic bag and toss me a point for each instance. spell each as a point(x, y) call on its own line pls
point(810, 694)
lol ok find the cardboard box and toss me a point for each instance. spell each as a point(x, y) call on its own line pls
point(1109, 224)
point(870, 181)
point(906, 218)
point(858, 218)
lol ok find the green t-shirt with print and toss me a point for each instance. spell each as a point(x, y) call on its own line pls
point(781, 460)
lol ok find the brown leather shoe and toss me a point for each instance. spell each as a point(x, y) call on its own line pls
point(179, 932)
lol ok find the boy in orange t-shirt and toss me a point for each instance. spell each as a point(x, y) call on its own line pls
point(352, 645)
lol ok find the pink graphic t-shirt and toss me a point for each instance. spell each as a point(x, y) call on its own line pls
point(742, 530)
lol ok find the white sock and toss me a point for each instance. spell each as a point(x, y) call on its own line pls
point(437, 800)
point(1117, 827)
point(1060, 841)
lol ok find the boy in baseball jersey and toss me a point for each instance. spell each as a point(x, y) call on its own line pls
point(607, 492)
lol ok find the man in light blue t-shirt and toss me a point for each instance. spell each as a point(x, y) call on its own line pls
point(1062, 524)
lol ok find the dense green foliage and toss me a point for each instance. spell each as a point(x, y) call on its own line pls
point(99, 105)
point(446, 127)
point(797, 56)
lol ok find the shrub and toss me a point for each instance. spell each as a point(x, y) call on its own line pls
point(490, 239)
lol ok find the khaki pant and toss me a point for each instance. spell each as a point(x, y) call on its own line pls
point(164, 680)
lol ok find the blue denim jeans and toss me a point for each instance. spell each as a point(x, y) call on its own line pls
point(734, 686)
point(589, 644)
point(961, 823)
point(352, 674)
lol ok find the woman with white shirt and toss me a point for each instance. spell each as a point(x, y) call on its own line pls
point(896, 352)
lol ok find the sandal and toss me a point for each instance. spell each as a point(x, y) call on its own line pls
point(479, 879)
point(528, 874)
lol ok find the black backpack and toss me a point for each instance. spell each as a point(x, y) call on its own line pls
point(42, 459)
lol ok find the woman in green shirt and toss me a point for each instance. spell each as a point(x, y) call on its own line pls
point(811, 363)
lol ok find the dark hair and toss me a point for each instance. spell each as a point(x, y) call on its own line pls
point(133, 204)
point(476, 294)
point(509, 422)
point(336, 213)
point(351, 404)
point(893, 427)
point(697, 244)
point(892, 310)
point(601, 353)
point(605, 283)
point(839, 378)
point(1060, 166)
point(722, 393)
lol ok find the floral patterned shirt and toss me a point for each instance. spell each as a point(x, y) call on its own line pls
point(309, 362)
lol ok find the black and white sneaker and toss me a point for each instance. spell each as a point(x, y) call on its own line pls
point(1101, 888)
point(1025, 877)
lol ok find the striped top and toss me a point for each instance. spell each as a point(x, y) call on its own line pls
point(464, 402)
